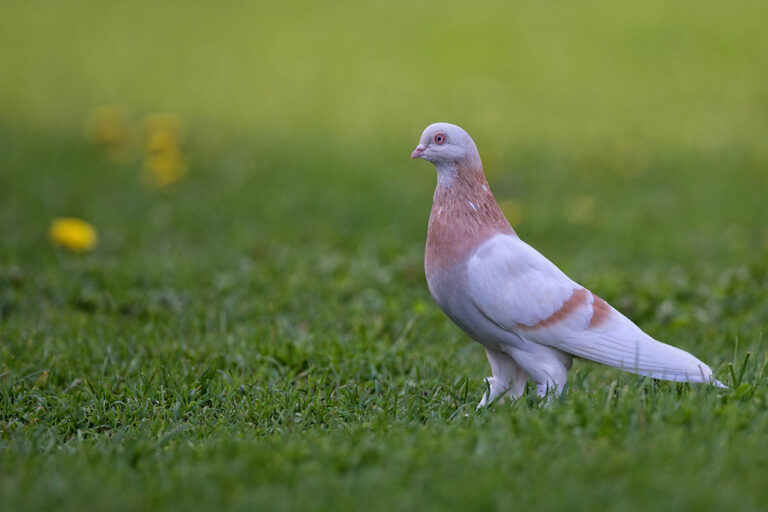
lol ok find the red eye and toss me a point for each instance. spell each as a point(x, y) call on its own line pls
point(439, 138)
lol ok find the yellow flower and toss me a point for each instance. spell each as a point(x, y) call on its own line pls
point(513, 209)
point(163, 168)
point(165, 163)
point(74, 234)
point(109, 128)
point(581, 209)
point(164, 132)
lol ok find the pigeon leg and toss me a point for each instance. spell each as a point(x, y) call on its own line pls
point(508, 378)
point(548, 368)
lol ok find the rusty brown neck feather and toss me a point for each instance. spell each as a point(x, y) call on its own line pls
point(464, 214)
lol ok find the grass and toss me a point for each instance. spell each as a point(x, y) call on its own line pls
point(260, 335)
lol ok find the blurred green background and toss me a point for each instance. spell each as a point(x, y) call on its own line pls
point(563, 99)
point(258, 332)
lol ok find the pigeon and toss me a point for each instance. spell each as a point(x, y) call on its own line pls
point(529, 316)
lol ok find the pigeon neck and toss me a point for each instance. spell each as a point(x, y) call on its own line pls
point(462, 181)
point(448, 172)
point(464, 214)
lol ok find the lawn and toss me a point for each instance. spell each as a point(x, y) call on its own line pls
point(255, 332)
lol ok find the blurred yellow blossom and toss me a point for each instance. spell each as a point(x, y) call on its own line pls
point(163, 131)
point(164, 163)
point(163, 168)
point(74, 234)
point(513, 210)
point(581, 209)
point(109, 128)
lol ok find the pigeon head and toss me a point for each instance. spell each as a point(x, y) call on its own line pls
point(447, 146)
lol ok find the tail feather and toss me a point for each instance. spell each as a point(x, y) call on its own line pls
point(621, 344)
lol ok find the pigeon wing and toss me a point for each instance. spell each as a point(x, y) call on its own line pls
point(521, 291)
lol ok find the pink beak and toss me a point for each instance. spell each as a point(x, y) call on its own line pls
point(418, 151)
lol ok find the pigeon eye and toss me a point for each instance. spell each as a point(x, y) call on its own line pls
point(439, 138)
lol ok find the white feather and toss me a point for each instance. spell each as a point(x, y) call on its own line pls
point(518, 289)
point(513, 284)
